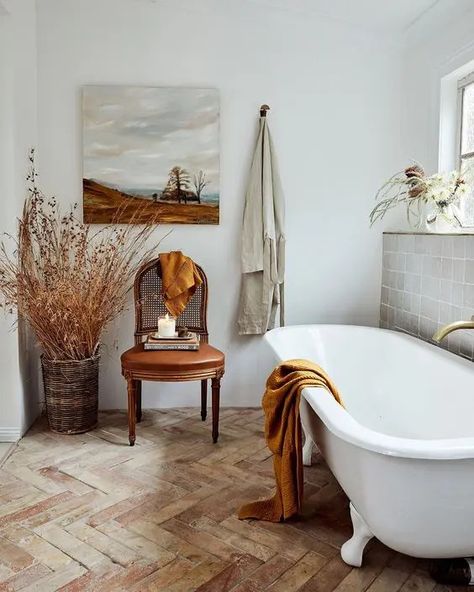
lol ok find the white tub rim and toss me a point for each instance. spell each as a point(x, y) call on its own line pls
point(344, 426)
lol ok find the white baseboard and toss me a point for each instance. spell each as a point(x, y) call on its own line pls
point(10, 434)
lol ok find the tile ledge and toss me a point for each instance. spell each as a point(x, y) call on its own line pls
point(430, 233)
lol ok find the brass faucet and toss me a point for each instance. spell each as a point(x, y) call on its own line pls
point(447, 329)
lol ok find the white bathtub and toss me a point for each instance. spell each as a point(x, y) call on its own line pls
point(403, 449)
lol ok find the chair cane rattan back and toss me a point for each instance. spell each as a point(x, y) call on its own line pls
point(149, 303)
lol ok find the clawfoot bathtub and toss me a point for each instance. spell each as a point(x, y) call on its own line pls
point(403, 449)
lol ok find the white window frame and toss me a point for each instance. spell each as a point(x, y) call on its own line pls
point(466, 81)
point(462, 84)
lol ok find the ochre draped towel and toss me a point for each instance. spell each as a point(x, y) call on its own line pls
point(180, 279)
point(281, 405)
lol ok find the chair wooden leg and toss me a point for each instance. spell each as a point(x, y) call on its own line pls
point(131, 387)
point(216, 391)
point(203, 400)
point(138, 392)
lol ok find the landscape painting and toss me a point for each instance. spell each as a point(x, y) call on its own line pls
point(150, 154)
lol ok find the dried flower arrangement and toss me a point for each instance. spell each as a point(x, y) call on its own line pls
point(65, 279)
point(425, 197)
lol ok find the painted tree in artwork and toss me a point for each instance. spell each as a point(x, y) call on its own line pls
point(178, 183)
point(200, 181)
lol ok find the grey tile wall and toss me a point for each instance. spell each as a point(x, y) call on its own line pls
point(427, 282)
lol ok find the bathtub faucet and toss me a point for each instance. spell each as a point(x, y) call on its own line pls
point(447, 329)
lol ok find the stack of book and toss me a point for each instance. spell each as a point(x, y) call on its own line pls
point(187, 342)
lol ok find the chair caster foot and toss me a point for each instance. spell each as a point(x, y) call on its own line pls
point(214, 439)
point(131, 441)
point(203, 416)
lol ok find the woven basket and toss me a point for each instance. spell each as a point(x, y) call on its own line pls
point(71, 389)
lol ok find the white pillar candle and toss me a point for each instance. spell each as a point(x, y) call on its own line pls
point(166, 326)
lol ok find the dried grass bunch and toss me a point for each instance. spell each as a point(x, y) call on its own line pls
point(414, 188)
point(67, 279)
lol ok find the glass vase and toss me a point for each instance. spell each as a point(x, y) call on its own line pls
point(442, 219)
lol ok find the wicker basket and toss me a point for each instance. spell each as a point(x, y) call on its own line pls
point(71, 390)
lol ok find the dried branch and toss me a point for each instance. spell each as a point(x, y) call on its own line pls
point(68, 281)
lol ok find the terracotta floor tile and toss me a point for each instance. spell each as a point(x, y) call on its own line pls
point(88, 513)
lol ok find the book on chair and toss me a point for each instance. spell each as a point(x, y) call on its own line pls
point(188, 342)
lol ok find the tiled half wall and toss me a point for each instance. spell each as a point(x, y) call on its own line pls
point(427, 282)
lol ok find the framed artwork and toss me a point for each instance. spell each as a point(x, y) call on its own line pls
point(150, 154)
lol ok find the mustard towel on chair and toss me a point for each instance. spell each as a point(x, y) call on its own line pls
point(281, 405)
point(180, 280)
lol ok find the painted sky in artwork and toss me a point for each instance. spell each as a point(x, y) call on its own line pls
point(133, 136)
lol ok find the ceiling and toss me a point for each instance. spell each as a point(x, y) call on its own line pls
point(391, 16)
point(379, 16)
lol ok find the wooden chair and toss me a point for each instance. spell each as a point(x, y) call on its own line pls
point(170, 366)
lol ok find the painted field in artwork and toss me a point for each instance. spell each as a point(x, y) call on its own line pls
point(150, 154)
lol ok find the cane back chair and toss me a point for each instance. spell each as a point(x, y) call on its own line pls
point(139, 364)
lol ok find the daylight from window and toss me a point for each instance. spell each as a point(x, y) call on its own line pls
point(466, 155)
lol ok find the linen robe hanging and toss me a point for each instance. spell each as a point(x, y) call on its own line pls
point(263, 242)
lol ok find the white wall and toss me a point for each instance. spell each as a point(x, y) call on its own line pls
point(18, 379)
point(434, 49)
point(335, 98)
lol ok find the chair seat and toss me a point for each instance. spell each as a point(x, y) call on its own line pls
point(206, 358)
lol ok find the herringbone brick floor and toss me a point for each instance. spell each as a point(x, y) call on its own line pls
point(89, 512)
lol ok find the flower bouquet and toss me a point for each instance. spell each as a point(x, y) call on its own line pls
point(432, 202)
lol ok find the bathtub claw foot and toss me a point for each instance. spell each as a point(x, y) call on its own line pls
point(353, 549)
point(307, 450)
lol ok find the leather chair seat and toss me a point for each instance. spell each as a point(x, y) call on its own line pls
point(205, 358)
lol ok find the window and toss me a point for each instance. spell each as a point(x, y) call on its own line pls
point(466, 141)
